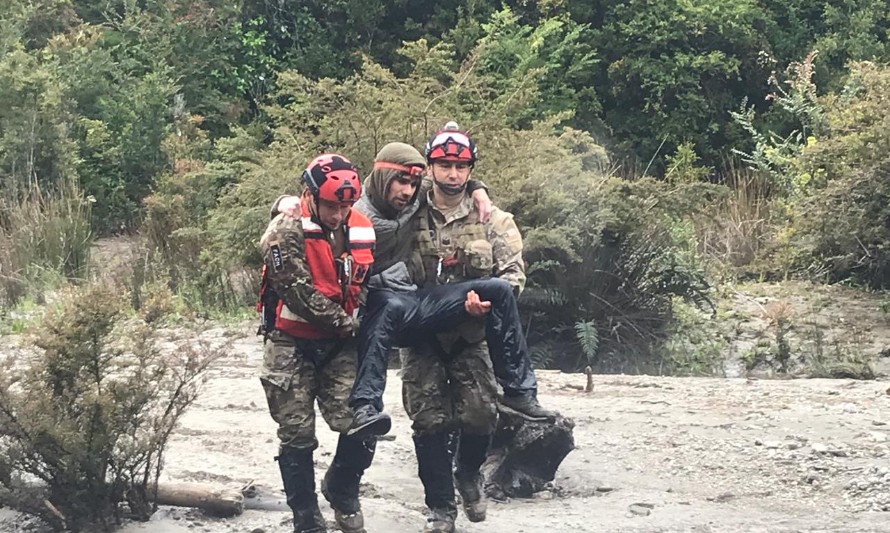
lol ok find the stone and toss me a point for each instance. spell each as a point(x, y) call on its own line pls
point(641, 509)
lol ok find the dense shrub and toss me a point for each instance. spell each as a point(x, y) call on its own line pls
point(84, 423)
point(601, 250)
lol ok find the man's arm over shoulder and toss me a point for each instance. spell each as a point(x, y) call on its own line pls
point(284, 252)
point(506, 243)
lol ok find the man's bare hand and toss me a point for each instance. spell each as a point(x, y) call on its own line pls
point(475, 306)
point(483, 204)
point(290, 206)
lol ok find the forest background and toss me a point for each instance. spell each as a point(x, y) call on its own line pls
point(656, 152)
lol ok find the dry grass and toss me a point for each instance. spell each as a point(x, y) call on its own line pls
point(45, 238)
point(737, 228)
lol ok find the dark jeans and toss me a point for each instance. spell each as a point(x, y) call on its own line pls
point(393, 319)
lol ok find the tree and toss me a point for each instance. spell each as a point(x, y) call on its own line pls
point(672, 70)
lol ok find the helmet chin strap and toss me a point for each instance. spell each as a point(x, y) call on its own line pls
point(450, 190)
point(314, 211)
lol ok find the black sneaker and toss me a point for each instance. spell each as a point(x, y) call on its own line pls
point(368, 422)
point(527, 406)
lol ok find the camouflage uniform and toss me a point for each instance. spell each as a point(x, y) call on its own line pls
point(297, 372)
point(449, 382)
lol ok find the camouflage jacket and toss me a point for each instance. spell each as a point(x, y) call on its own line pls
point(283, 249)
point(456, 246)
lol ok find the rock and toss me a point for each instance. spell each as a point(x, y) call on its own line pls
point(878, 423)
point(772, 445)
point(257, 530)
point(641, 509)
point(819, 448)
point(879, 437)
point(838, 452)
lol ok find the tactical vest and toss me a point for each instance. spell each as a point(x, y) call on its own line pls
point(453, 252)
point(337, 279)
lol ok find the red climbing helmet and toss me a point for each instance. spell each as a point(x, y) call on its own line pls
point(333, 178)
point(451, 144)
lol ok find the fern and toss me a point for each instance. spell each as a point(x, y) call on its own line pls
point(588, 338)
point(537, 297)
point(542, 355)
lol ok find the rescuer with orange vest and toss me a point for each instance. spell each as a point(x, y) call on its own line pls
point(313, 273)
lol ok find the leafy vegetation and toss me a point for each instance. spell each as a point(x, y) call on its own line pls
point(649, 149)
point(85, 423)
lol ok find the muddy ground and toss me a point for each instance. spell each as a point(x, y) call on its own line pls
point(654, 454)
point(697, 454)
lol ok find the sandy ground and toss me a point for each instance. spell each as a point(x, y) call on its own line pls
point(700, 454)
point(705, 454)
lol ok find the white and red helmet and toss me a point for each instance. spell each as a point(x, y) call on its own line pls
point(451, 144)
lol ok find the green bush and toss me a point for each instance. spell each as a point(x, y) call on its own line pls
point(840, 228)
point(84, 423)
point(599, 248)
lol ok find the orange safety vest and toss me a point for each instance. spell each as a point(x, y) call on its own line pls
point(339, 280)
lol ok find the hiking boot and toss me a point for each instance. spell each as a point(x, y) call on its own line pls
point(469, 486)
point(367, 421)
point(439, 521)
point(309, 520)
point(350, 523)
point(527, 406)
point(347, 512)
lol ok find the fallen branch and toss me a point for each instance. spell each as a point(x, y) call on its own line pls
point(218, 501)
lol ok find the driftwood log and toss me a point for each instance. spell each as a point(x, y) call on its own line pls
point(525, 455)
point(218, 501)
point(221, 501)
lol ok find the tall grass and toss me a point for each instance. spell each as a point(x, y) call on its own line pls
point(737, 227)
point(45, 238)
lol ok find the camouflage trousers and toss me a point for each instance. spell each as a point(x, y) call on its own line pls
point(298, 372)
point(449, 391)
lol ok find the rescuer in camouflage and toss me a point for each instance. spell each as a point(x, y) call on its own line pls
point(309, 348)
point(448, 384)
